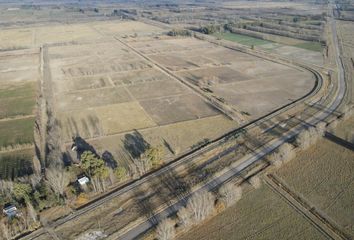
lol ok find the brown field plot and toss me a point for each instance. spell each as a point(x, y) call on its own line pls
point(249, 83)
point(105, 99)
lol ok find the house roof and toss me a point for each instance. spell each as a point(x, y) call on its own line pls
point(10, 210)
point(83, 180)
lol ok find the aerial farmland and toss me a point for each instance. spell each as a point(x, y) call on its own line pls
point(191, 120)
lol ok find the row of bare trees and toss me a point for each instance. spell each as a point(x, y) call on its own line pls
point(309, 137)
point(202, 204)
point(199, 207)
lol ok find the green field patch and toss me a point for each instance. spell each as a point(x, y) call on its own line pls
point(17, 131)
point(312, 46)
point(242, 39)
point(23, 90)
point(16, 164)
point(10, 107)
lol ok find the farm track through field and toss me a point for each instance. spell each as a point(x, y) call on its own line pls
point(16, 118)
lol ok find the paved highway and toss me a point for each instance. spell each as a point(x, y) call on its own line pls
point(258, 155)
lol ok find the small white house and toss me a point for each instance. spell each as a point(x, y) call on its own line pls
point(83, 180)
point(10, 210)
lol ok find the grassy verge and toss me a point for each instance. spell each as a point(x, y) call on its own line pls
point(24, 90)
point(19, 131)
point(312, 46)
point(252, 41)
point(242, 39)
point(17, 100)
point(10, 107)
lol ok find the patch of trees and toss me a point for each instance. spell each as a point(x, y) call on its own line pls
point(210, 29)
point(307, 37)
point(310, 136)
point(179, 32)
point(199, 207)
point(284, 154)
point(151, 158)
point(29, 194)
point(299, 25)
point(291, 29)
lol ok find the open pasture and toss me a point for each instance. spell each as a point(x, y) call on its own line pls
point(249, 83)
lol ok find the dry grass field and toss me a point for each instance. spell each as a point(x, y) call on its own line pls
point(34, 36)
point(260, 214)
point(117, 92)
point(109, 98)
point(323, 175)
point(248, 83)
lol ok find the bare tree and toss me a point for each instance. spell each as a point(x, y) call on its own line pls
point(58, 179)
point(303, 140)
point(314, 135)
point(31, 214)
point(6, 187)
point(4, 229)
point(230, 193)
point(348, 111)
point(133, 170)
point(321, 128)
point(184, 216)
point(286, 152)
point(333, 125)
point(166, 230)
point(143, 165)
point(255, 182)
point(201, 205)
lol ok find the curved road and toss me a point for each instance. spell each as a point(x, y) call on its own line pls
point(143, 227)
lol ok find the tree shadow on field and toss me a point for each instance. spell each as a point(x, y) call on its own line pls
point(340, 141)
point(82, 146)
point(135, 144)
point(164, 189)
point(109, 160)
